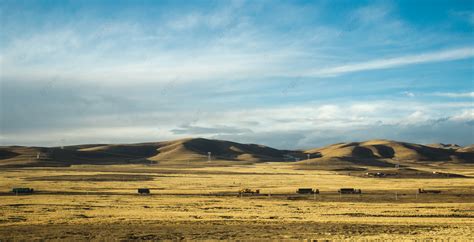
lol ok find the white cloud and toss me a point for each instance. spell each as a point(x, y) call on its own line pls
point(409, 94)
point(239, 48)
point(416, 117)
point(466, 115)
point(455, 94)
point(81, 135)
point(216, 65)
point(386, 63)
point(328, 112)
point(341, 120)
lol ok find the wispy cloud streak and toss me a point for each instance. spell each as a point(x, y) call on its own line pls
point(386, 63)
point(455, 95)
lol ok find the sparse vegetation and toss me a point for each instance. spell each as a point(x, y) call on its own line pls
point(203, 203)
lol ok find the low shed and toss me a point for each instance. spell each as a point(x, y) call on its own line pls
point(350, 191)
point(143, 191)
point(307, 191)
point(22, 190)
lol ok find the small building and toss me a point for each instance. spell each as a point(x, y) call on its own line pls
point(249, 191)
point(307, 191)
point(143, 191)
point(421, 190)
point(22, 190)
point(376, 174)
point(350, 191)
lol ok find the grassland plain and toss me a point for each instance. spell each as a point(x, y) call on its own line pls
point(100, 202)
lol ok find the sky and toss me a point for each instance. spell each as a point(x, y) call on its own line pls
point(288, 74)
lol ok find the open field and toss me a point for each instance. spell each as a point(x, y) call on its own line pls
point(98, 202)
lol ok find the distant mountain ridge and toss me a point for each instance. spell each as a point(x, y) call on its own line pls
point(195, 150)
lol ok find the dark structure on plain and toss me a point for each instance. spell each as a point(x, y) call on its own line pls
point(377, 174)
point(249, 191)
point(22, 190)
point(307, 191)
point(143, 191)
point(350, 191)
point(421, 190)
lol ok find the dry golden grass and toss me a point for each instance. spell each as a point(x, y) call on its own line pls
point(201, 203)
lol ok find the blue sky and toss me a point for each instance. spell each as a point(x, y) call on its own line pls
point(289, 74)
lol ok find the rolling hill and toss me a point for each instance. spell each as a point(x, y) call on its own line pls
point(168, 152)
point(384, 156)
point(354, 155)
point(388, 149)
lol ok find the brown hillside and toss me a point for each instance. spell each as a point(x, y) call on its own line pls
point(377, 153)
point(387, 149)
point(469, 148)
point(185, 150)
